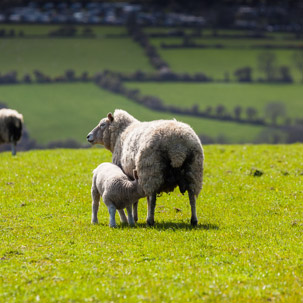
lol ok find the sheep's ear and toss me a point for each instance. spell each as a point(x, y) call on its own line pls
point(135, 173)
point(110, 117)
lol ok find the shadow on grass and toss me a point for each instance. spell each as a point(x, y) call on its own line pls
point(175, 226)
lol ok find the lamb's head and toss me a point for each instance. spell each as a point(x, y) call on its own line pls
point(101, 133)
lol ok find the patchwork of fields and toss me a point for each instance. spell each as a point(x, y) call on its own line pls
point(246, 248)
point(185, 95)
point(53, 56)
point(248, 244)
point(59, 111)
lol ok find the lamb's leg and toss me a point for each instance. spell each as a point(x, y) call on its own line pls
point(192, 200)
point(131, 220)
point(112, 213)
point(13, 148)
point(135, 211)
point(151, 205)
point(95, 204)
point(123, 218)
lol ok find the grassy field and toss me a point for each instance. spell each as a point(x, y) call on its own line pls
point(59, 111)
point(54, 56)
point(216, 62)
point(185, 95)
point(246, 248)
point(45, 29)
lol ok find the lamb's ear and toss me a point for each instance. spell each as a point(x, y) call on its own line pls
point(110, 117)
point(135, 173)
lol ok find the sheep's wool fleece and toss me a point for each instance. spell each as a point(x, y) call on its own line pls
point(148, 146)
point(8, 116)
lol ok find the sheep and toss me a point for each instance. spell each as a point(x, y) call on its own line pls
point(166, 154)
point(10, 127)
point(117, 192)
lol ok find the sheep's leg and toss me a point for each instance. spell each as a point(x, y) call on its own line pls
point(95, 205)
point(13, 148)
point(130, 217)
point(135, 211)
point(192, 200)
point(123, 218)
point(151, 205)
point(112, 213)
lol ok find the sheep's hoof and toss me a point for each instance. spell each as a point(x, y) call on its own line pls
point(95, 222)
point(193, 222)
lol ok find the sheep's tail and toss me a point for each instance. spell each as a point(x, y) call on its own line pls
point(177, 155)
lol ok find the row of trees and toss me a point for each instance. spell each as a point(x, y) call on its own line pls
point(267, 64)
point(70, 76)
point(141, 38)
point(10, 33)
point(189, 43)
point(273, 110)
point(72, 31)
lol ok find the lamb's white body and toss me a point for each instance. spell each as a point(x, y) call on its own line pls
point(117, 191)
point(166, 154)
point(10, 127)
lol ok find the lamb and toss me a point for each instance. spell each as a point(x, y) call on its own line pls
point(117, 191)
point(10, 127)
point(165, 153)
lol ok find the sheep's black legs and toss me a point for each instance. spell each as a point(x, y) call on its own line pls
point(151, 205)
point(192, 200)
point(135, 211)
point(13, 148)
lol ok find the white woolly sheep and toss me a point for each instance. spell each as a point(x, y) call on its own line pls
point(117, 192)
point(165, 153)
point(10, 127)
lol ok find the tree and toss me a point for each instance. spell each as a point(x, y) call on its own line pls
point(237, 112)
point(267, 64)
point(243, 74)
point(297, 58)
point(208, 111)
point(220, 110)
point(275, 109)
point(251, 113)
point(285, 75)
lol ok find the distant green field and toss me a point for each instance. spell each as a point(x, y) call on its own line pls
point(209, 33)
point(185, 95)
point(61, 111)
point(247, 246)
point(217, 62)
point(45, 29)
point(244, 43)
point(54, 56)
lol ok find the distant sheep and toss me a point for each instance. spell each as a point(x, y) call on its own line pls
point(10, 127)
point(117, 192)
point(165, 153)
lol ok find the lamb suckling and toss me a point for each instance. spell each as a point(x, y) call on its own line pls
point(10, 127)
point(165, 153)
point(117, 190)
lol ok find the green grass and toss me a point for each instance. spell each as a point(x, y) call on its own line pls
point(246, 248)
point(185, 95)
point(59, 111)
point(216, 62)
point(45, 29)
point(54, 56)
